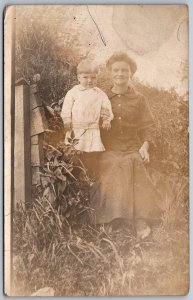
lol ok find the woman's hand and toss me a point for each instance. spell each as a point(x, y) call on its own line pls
point(144, 151)
point(106, 125)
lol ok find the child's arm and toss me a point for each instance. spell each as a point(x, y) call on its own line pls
point(106, 113)
point(66, 113)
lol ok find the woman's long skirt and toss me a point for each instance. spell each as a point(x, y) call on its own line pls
point(124, 189)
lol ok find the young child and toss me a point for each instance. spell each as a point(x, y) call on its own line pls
point(82, 109)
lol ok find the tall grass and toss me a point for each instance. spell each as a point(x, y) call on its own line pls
point(84, 260)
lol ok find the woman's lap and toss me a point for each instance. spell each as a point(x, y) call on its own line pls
point(124, 189)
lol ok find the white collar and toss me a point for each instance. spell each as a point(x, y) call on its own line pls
point(81, 88)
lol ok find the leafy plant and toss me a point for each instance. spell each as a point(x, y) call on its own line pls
point(65, 181)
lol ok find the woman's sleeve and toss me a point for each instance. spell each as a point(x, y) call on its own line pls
point(106, 109)
point(146, 129)
point(66, 113)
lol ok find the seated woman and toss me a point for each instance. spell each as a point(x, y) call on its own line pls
point(125, 189)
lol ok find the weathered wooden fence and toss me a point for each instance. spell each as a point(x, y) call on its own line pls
point(29, 127)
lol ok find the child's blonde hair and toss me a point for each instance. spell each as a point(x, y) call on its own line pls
point(86, 66)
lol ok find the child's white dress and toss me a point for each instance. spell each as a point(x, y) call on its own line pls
point(83, 108)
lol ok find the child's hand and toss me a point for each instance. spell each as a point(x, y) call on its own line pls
point(68, 126)
point(106, 125)
point(144, 152)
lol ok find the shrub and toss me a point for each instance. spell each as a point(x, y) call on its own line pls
point(46, 47)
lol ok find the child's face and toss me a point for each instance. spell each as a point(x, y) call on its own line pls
point(87, 80)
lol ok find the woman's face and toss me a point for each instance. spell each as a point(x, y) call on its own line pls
point(120, 73)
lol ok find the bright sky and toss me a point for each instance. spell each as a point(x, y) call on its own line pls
point(155, 36)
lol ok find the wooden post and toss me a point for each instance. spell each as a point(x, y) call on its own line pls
point(38, 126)
point(22, 157)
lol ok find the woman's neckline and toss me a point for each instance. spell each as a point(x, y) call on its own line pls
point(121, 92)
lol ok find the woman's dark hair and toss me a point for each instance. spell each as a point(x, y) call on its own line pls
point(121, 56)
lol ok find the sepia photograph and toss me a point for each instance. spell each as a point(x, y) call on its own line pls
point(96, 150)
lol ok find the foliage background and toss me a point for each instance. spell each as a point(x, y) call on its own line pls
point(52, 48)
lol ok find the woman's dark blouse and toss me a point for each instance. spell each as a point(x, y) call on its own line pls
point(132, 124)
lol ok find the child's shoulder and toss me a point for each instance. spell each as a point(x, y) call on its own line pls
point(73, 90)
